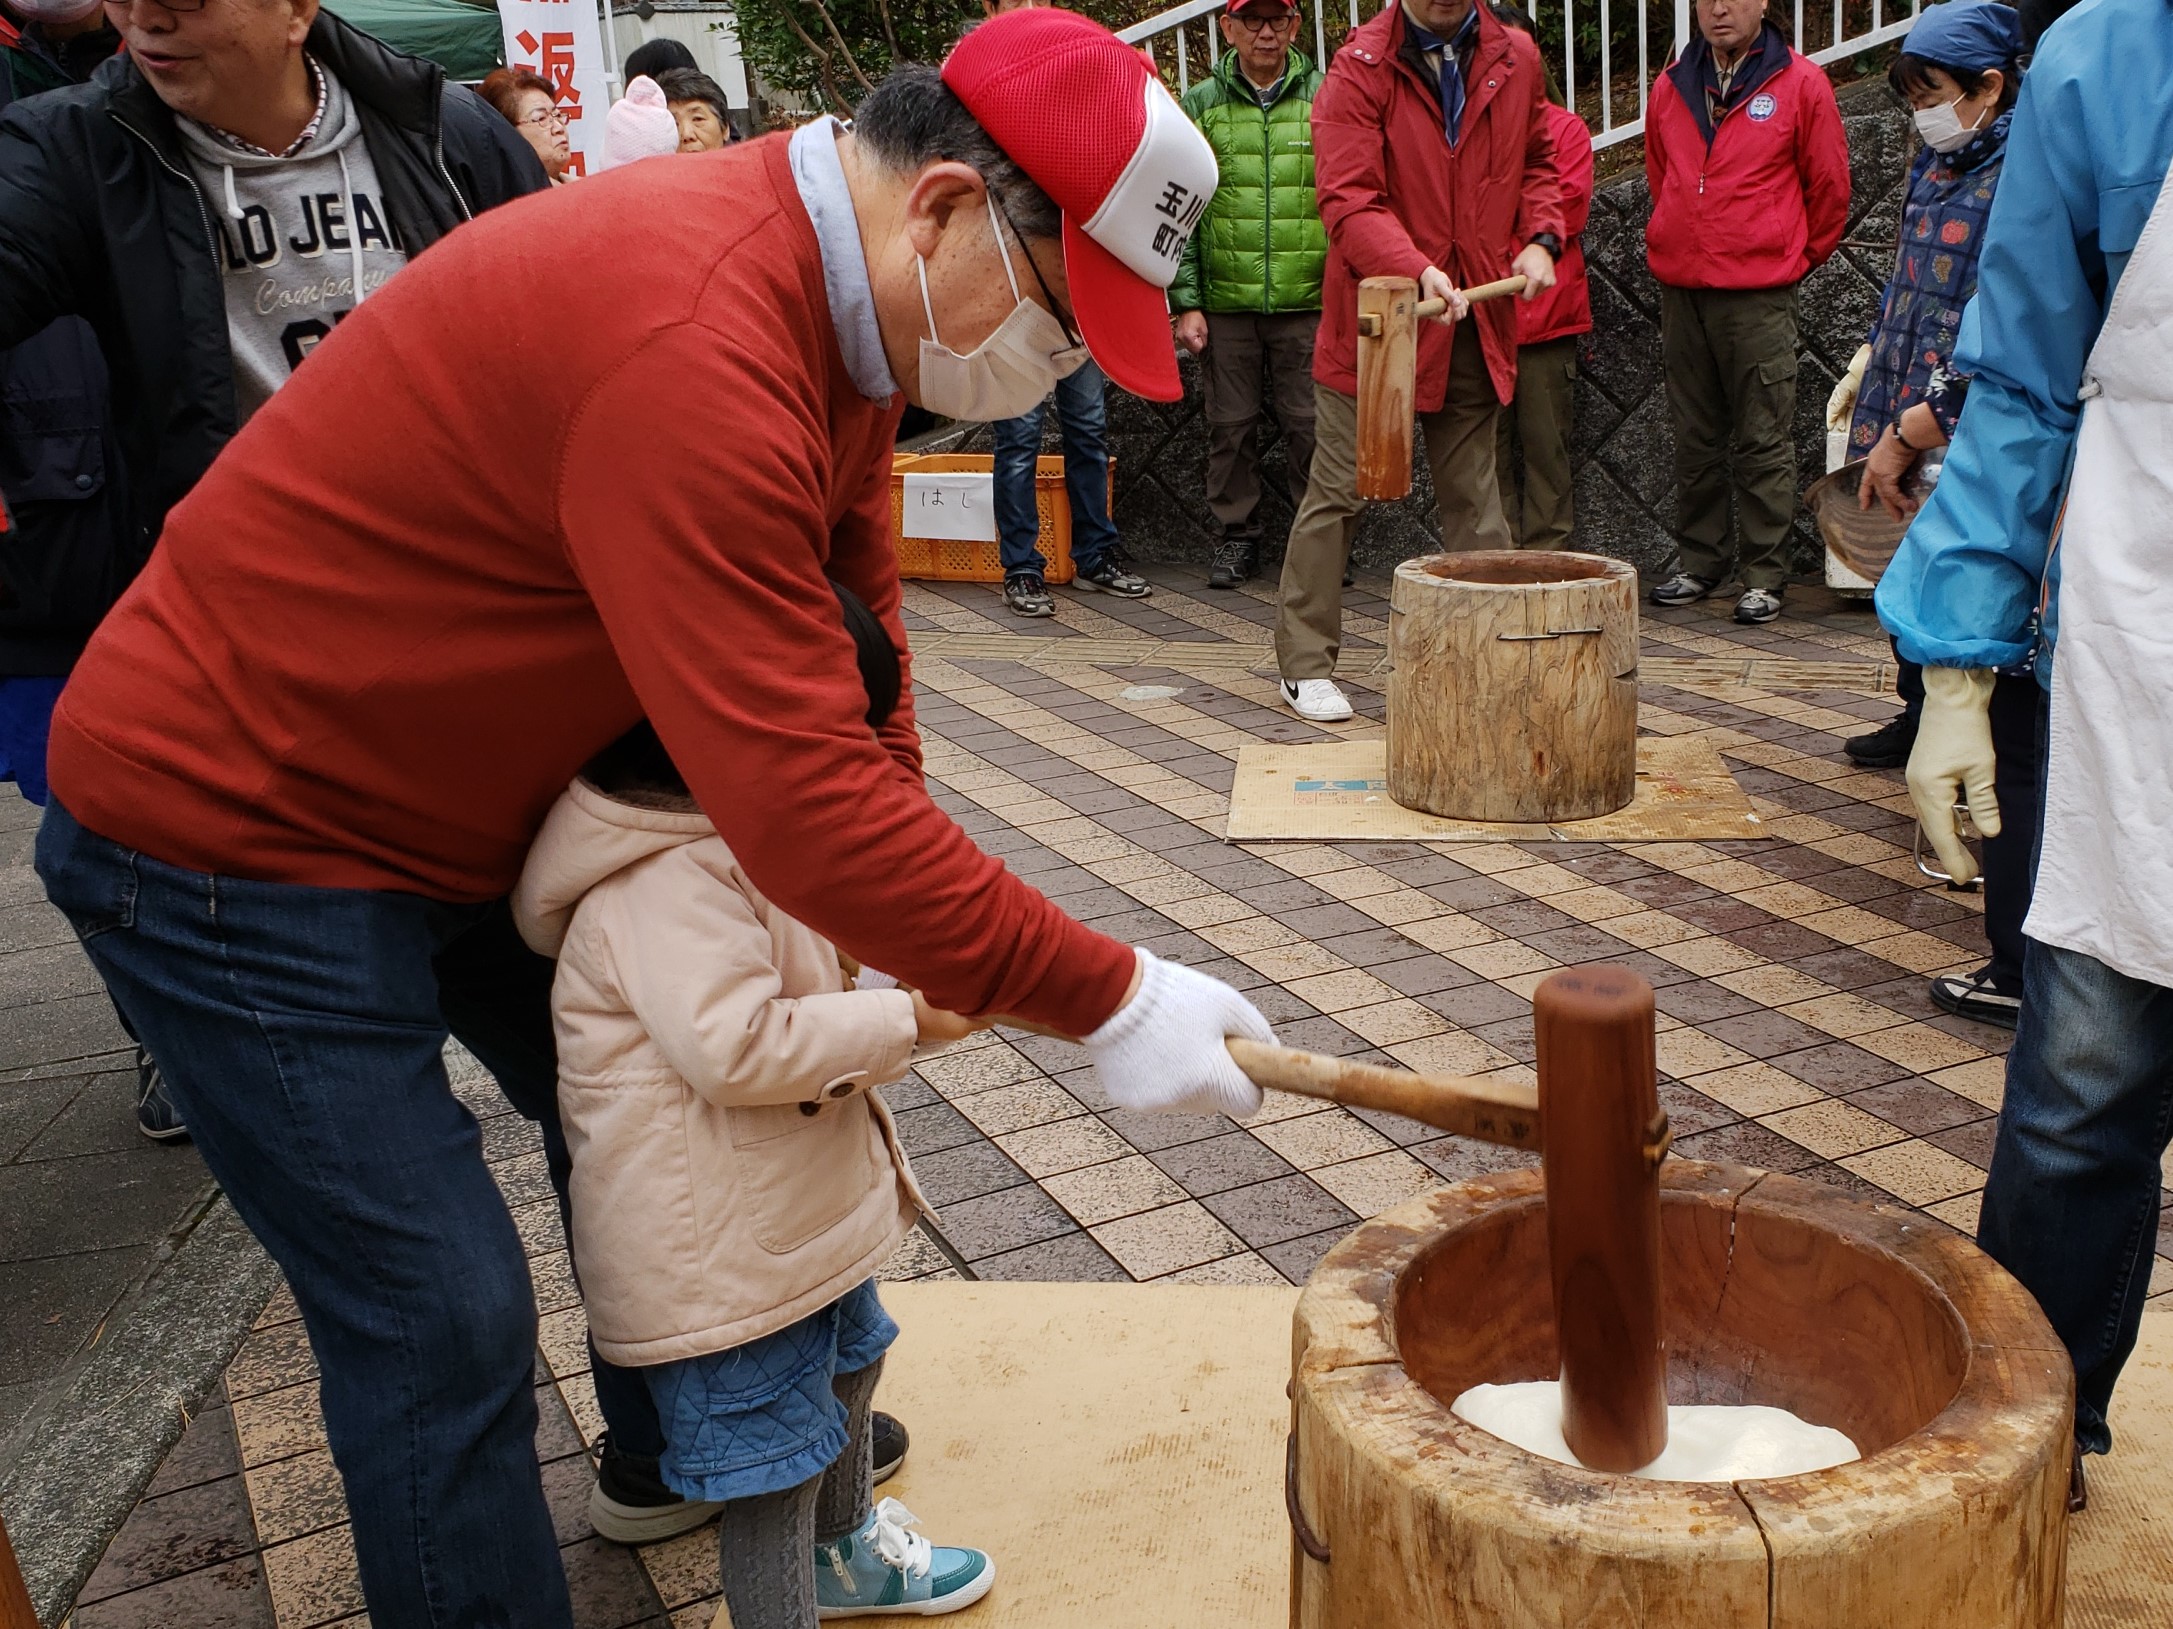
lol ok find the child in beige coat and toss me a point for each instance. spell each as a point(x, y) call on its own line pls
point(736, 1182)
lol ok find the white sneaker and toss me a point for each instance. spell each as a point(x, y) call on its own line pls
point(1320, 700)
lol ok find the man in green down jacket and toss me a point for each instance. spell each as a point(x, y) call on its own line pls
point(1247, 296)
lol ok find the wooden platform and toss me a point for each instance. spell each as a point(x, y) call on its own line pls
point(1119, 1449)
point(1338, 790)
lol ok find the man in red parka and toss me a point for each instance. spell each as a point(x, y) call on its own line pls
point(1431, 161)
point(1750, 192)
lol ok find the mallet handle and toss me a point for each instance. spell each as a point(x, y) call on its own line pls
point(1488, 1111)
point(1370, 325)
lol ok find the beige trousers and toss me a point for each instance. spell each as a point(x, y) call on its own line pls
point(1459, 441)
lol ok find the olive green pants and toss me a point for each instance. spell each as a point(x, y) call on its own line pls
point(1459, 451)
point(1246, 352)
point(1541, 419)
point(1729, 357)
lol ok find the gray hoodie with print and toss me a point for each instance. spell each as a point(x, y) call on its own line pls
point(298, 236)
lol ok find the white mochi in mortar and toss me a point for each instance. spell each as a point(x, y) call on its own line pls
point(1705, 1442)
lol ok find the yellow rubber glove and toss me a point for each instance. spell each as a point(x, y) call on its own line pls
point(1952, 763)
point(1841, 405)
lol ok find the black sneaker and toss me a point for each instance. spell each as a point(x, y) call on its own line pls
point(1886, 747)
point(889, 1445)
point(1236, 563)
point(1974, 995)
point(1681, 589)
point(156, 1116)
point(1108, 576)
point(1026, 595)
point(631, 1505)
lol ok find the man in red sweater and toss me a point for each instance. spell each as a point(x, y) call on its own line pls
point(1750, 192)
point(1431, 161)
point(464, 550)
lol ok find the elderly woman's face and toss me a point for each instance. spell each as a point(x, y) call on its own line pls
point(700, 130)
point(543, 127)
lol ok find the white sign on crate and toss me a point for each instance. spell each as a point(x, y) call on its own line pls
point(960, 507)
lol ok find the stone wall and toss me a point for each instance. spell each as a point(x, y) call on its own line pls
point(1623, 449)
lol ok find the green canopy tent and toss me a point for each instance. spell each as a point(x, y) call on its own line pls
point(460, 36)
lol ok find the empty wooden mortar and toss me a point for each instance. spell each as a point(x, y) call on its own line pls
point(1777, 1290)
point(1512, 686)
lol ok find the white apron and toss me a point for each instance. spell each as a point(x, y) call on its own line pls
point(2105, 878)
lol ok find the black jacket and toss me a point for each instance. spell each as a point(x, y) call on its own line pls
point(73, 546)
point(99, 216)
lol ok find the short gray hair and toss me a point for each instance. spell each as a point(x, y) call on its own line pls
point(913, 119)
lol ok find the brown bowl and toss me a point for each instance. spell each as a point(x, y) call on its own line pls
point(1864, 540)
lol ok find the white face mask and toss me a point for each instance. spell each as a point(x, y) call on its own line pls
point(55, 11)
point(1008, 373)
point(1942, 127)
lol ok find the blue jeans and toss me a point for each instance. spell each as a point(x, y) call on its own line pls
point(1080, 418)
point(301, 1032)
point(2071, 1202)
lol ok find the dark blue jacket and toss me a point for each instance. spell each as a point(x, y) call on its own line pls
point(73, 546)
point(101, 218)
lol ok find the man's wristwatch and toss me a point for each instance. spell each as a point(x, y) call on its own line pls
point(1549, 242)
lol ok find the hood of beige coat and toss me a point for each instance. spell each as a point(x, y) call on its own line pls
point(586, 838)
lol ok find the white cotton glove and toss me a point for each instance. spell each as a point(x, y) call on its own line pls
point(1952, 762)
point(1163, 1050)
point(1841, 405)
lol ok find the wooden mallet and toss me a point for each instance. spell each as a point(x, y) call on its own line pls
point(1595, 1121)
point(1389, 310)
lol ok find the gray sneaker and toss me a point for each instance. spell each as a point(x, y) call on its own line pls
point(1026, 595)
point(1108, 576)
point(1682, 589)
point(1758, 605)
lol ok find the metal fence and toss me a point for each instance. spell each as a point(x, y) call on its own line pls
point(1588, 44)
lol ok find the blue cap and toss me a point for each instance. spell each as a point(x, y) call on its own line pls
point(1971, 35)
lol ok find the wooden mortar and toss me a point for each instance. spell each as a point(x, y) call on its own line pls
point(1872, 1319)
point(1512, 686)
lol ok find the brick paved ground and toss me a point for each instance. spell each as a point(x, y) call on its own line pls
point(1095, 755)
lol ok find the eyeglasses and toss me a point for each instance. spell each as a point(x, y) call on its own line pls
point(1263, 25)
point(542, 115)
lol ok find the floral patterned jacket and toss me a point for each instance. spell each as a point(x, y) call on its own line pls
point(1935, 273)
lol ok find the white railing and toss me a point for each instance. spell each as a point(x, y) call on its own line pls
point(1825, 31)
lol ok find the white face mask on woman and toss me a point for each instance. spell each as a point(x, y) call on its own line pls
point(1008, 373)
point(1942, 127)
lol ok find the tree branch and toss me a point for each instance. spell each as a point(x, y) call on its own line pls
point(890, 35)
point(844, 50)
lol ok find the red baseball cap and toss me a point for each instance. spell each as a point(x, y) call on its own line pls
point(1079, 112)
point(1236, 6)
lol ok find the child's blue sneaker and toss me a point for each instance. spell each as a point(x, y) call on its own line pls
point(885, 1569)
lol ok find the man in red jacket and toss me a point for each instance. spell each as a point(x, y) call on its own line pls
point(471, 544)
point(1750, 192)
point(1431, 161)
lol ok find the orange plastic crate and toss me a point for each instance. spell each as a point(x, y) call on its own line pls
point(948, 560)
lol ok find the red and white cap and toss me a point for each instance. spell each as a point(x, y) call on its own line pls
point(1079, 112)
